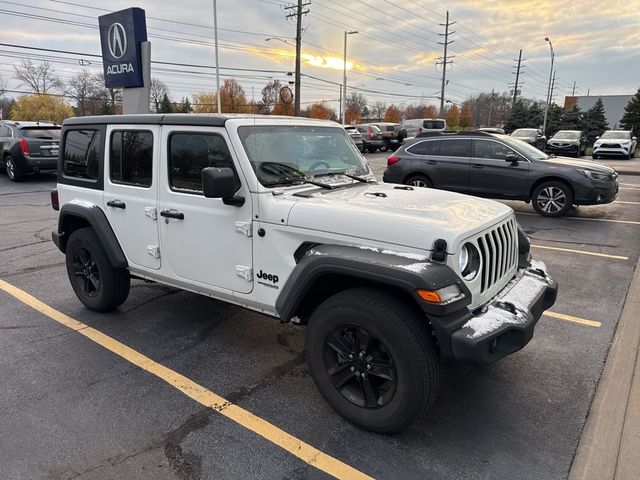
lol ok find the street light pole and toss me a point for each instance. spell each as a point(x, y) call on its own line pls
point(546, 108)
point(215, 34)
point(343, 104)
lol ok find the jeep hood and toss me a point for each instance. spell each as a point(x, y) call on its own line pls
point(391, 214)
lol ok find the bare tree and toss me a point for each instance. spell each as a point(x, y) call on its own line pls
point(3, 86)
point(40, 78)
point(84, 88)
point(158, 90)
point(378, 110)
point(110, 99)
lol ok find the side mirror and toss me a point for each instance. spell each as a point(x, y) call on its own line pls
point(221, 183)
point(597, 137)
point(512, 158)
point(634, 138)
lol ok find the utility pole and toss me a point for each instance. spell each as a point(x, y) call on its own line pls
point(553, 86)
point(444, 59)
point(546, 108)
point(573, 90)
point(515, 88)
point(298, 14)
point(490, 108)
point(215, 34)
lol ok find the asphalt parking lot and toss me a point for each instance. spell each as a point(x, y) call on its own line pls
point(69, 408)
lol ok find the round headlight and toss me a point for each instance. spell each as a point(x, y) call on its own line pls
point(469, 261)
point(463, 258)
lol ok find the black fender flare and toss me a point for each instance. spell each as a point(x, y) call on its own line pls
point(95, 217)
point(385, 267)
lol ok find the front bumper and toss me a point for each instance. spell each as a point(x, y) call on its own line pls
point(563, 149)
point(622, 150)
point(506, 323)
point(597, 193)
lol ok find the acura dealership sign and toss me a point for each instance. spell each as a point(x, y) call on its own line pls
point(121, 34)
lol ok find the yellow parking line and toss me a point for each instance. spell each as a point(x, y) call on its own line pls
point(630, 185)
point(610, 220)
point(583, 252)
point(200, 394)
point(630, 203)
point(569, 318)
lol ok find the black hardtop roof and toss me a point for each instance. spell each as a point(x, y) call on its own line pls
point(195, 119)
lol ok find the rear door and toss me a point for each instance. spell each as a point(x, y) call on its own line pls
point(492, 176)
point(449, 160)
point(131, 191)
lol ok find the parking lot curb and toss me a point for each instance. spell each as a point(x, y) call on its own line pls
point(628, 172)
point(610, 441)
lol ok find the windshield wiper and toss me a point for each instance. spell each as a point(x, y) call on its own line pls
point(333, 174)
point(297, 180)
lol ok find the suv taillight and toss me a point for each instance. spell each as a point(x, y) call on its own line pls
point(24, 146)
point(420, 130)
point(55, 201)
point(370, 132)
point(392, 160)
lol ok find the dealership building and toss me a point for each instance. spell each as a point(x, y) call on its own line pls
point(613, 106)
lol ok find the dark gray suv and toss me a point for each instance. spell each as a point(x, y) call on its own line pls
point(500, 166)
point(28, 147)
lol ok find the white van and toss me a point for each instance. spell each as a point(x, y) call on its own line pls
point(419, 125)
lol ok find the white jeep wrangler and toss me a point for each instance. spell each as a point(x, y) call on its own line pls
point(283, 216)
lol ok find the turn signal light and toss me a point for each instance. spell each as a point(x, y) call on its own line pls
point(430, 296)
point(392, 160)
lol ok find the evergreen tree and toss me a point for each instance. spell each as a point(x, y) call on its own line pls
point(185, 106)
point(595, 122)
point(554, 120)
point(573, 119)
point(518, 117)
point(165, 105)
point(631, 118)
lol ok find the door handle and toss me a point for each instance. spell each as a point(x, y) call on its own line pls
point(475, 165)
point(432, 162)
point(116, 204)
point(172, 214)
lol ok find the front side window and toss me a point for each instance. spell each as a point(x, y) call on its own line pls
point(281, 154)
point(189, 153)
point(82, 153)
point(131, 157)
point(492, 150)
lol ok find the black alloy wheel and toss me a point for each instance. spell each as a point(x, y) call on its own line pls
point(372, 358)
point(360, 367)
point(86, 272)
point(14, 172)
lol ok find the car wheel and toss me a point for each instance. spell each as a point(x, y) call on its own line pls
point(97, 284)
point(14, 172)
point(595, 156)
point(372, 359)
point(419, 181)
point(384, 148)
point(372, 149)
point(552, 199)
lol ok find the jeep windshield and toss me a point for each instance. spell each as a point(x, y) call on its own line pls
point(288, 155)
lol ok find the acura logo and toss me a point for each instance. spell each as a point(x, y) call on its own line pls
point(117, 40)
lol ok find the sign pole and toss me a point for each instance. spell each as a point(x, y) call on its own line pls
point(138, 100)
point(215, 35)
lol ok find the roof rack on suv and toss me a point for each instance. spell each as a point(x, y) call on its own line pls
point(449, 134)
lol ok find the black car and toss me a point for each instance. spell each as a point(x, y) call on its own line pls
point(28, 148)
point(532, 136)
point(568, 142)
point(500, 166)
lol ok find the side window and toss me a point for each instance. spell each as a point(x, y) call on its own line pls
point(81, 154)
point(189, 153)
point(421, 148)
point(454, 148)
point(500, 151)
point(131, 157)
point(4, 131)
point(483, 149)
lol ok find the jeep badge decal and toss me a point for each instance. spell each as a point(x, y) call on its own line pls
point(267, 279)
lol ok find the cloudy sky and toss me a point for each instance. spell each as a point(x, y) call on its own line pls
point(393, 56)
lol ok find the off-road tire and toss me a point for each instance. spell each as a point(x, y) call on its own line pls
point(399, 331)
point(14, 172)
point(85, 253)
point(549, 202)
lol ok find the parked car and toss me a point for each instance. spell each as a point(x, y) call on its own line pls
point(372, 137)
point(415, 126)
point(392, 134)
point(568, 142)
point(389, 282)
point(28, 147)
point(491, 130)
point(615, 143)
point(500, 166)
point(356, 136)
point(532, 136)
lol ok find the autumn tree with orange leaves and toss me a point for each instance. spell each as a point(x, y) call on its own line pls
point(452, 116)
point(320, 111)
point(393, 114)
point(466, 119)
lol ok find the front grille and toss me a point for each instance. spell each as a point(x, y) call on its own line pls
point(498, 252)
point(610, 145)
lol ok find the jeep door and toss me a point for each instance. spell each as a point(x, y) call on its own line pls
point(202, 239)
point(132, 154)
point(493, 176)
